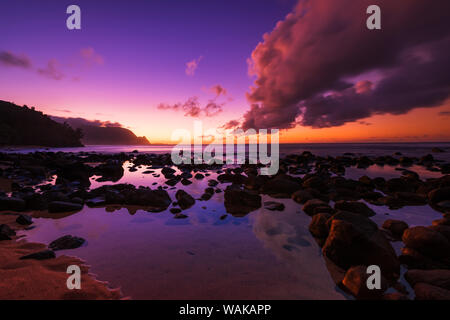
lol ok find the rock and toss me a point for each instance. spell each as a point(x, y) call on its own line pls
point(347, 245)
point(184, 199)
point(175, 210)
point(212, 183)
point(281, 186)
point(61, 206)
point(172, 182)
point(12, 203)
point(363, 224)
point(318, 226)
point(438, 197)
point(6, 232)
point(443, 229)
point(180, 216)
point(77, 171)
point(42, 255)
point(396, 227)
point(168, 172)
point(66, 242)
point(199, 176)
point(301, 196)
point(355, 207)
point(185, 182)
point(437, 150)
point(240, 202)
point(110, 171)
point(311, 206)
point(416, 260)
point(273, 206)
point(24, 220)
point(438, 278)
point(426, 291)
point(355, 281)
point(427, 241)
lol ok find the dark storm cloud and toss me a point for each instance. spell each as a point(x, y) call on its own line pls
point(305, 68)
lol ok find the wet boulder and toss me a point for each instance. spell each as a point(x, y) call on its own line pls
point(427, 241)
point(355, 207)
point(425, 291)
point(240, 202)
point(273, 206)
point(437, 277)
point(360, 243)
point(318, 226)
point(396, 227)
point(281, 186)
point(314, 206)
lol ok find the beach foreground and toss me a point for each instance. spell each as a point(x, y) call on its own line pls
point(318, 224)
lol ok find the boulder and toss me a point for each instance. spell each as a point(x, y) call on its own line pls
point(318, 226)
point(241, 202)
point(396, 227)
point(310, 207)
point(355, 207)
point(301, 196)
point(425, 291)
point(427, 241)
point(439, 277)
point(348, 245)
point(281, 186)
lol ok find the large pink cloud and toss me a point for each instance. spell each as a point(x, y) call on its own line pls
point(306, 67)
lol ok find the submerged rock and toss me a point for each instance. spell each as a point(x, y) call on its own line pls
point(273, 206)
point(42, 255)
point(66, 242)
point(185, 200)
point(396, 227)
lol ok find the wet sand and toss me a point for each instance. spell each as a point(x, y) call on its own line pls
point(44, 279)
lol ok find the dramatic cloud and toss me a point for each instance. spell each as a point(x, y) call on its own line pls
point(13, 60)
point(81, 122)
point(91, 57)
point(218, 90)
point(52, 70)
point(316, 68)
point(232, 124)
point(192, 108)
point(192, 65)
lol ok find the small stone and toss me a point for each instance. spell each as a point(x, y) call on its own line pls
point(66, 242)
point(24, 220)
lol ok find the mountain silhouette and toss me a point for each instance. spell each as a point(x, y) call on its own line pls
point(24, 126)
